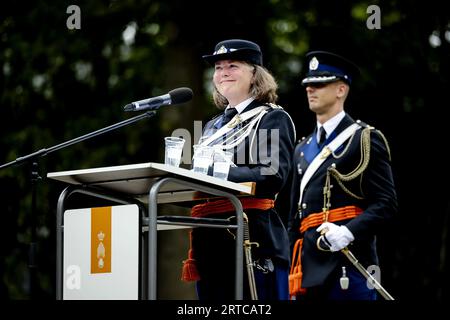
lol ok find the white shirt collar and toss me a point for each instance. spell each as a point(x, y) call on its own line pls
point(331, 124)
point(241, 106)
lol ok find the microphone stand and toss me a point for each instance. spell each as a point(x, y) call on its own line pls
point(34, 176)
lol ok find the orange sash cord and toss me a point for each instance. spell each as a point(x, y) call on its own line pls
point(311, 221)
point(207, 209)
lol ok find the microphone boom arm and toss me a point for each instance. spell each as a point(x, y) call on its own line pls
point(45, 151)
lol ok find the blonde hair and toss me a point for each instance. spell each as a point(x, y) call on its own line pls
point(263, 89)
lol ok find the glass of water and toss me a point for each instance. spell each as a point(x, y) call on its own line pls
point(203, 158)
point(222, 163)
point(174, 148)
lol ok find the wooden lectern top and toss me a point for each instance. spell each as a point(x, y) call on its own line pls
point(136, 180)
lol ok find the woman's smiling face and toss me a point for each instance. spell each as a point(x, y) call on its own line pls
point(233, 80)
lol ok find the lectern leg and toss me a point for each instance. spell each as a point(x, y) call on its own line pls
point(152, 229)
point(153, 238)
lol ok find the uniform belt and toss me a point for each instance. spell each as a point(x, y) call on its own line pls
point(221, 206)
point(338, 214)
point(211, 208)
point(311, 221)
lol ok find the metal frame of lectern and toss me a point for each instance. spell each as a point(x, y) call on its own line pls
point(148, 259)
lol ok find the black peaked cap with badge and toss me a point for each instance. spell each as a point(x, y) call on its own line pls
point(325, 67)
point(236, 49)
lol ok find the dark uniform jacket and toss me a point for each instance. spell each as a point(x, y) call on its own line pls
point(270, 168)
point(375, 185)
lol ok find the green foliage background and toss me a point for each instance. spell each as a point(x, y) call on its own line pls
point(57, 84)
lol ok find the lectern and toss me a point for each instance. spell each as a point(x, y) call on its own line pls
point(146, 185)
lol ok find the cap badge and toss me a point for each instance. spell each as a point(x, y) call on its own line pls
point(313, 64)
point(221, 50)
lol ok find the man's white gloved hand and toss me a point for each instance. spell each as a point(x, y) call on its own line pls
point(338, 237)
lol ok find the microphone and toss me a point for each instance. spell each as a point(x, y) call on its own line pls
point(175, 96)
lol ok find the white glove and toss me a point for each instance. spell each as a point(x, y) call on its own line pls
point(338, 237)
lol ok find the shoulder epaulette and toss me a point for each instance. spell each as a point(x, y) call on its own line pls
point(369, 127)
point(364, 125)
point(273, 105)
point(304, 140)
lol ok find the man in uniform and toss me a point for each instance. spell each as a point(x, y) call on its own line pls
point(342, 192)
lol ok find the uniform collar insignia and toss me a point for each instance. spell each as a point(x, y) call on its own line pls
point(234, 121)
point(325, 153)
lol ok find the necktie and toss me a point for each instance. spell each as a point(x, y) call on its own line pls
point(228, 115)
point(322, 136)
